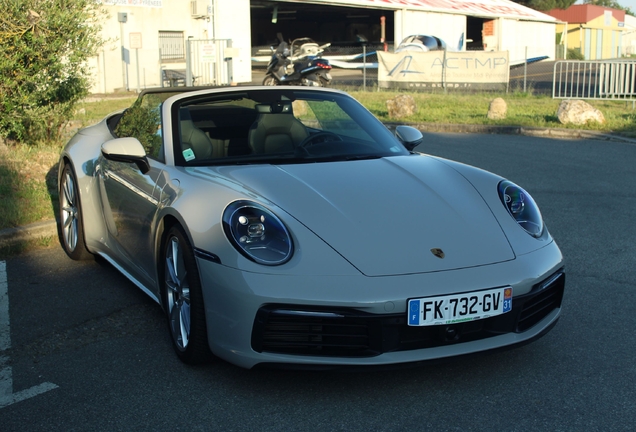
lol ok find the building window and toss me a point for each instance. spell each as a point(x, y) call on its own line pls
point(171, 44)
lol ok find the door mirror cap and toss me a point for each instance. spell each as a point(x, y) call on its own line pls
point(127, 150)
point(409, 136)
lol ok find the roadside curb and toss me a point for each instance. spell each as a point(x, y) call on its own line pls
point(516, 130)
point(11, 236)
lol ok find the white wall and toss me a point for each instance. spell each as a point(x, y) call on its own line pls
point(628, 37)
point(448, 27)
point(231, 21)
point(538, 37)
point(512, 35)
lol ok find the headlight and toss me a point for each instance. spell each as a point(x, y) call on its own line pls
point(257, 233)
point(521, 207)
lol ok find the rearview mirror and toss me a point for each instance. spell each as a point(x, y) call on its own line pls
point(127, 150)
point(409, 136)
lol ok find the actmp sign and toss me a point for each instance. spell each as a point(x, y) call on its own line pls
point(439, 69)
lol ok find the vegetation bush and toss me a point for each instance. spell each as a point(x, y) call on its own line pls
point(44, 48)
point(142, 122)
point(575, 54)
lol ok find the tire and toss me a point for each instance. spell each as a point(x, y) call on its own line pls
point(183, 299)
point(71, 226)
point(323, 81)
point(270, 81)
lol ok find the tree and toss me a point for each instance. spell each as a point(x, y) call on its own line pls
point(44, 48)
point(546, 5)
point(610, 4)
point(141, 121)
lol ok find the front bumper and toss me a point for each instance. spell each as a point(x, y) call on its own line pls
point(356, 320)
point(332, 332)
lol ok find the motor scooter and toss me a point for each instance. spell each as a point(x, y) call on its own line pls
point(299, 65)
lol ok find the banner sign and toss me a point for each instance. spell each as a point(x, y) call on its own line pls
point(207, 52)
point(439, 69)
point(139, 3)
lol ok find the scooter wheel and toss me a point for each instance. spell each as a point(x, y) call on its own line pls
point(270, 81)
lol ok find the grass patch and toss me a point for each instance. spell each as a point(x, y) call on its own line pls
point(28, 189)
point(15, 248)
point(523, 110)
point(92, 112)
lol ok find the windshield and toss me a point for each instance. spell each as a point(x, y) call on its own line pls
point(277, 126)
point(421, 42)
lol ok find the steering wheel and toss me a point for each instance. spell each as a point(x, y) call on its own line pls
point(326, 136)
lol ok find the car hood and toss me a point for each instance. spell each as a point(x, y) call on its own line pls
point(386, 216)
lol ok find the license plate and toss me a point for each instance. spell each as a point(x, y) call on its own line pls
point(456, 308)
point(328, 76)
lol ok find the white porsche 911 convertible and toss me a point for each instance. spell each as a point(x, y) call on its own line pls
point(289, 227)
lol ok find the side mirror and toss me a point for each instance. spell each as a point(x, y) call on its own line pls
point(127, 150)
point(409, 136)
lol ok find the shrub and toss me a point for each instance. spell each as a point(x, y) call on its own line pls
point(44, 46)
point(575, 54)
point(141, 122)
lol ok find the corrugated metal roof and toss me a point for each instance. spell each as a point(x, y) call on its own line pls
point(481, 8)
point(581, 14)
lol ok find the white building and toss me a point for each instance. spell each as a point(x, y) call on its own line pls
point(148, 36)
point(628, 41)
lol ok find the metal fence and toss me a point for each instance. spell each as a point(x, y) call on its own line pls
point(357, 64)
point(362, 72)
point(204, 62)
point(209, 62)
point(594, 80)
point(171, 46)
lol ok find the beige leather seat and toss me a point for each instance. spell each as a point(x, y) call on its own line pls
point(194, 138)
point(275, 129)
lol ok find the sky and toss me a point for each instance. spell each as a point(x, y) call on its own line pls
point(628, 3)
point(625, 3)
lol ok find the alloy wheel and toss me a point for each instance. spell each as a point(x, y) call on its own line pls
point(70, 221)
point(178, 294)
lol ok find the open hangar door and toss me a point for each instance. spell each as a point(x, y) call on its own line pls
point(482, 33)
point(475, 32)
point(339, 25)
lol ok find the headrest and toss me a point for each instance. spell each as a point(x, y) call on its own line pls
point(278, 107)
point(184, 114)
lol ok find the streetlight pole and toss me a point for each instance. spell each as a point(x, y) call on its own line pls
point(122, 17)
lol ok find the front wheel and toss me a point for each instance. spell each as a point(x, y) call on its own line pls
point(324, 79)
point(71, 227)
point(183, 299)
point(270, 81)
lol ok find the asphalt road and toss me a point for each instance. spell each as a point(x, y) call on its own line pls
point(89, 351)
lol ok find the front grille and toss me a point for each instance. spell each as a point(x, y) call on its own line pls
point(548, 296)
point(317, 333)
point(287, 329)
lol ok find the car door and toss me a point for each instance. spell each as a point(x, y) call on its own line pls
point(130, 198)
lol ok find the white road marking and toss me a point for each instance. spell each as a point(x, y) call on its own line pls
point(7, 396)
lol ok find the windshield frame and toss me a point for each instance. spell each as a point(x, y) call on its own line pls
point(374, 140)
